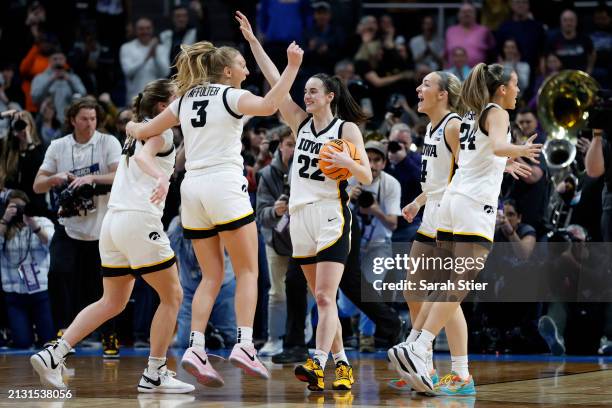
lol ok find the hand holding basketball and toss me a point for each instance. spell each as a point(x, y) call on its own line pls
point(337, 158)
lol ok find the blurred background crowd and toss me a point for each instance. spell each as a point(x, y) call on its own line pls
point(54, 53)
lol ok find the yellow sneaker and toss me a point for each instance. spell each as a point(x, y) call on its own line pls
point(312, 373)
point(344, 377)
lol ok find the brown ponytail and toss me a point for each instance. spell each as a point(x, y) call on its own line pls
point(452, 85)
point(343, 105)
point(144, 104)
point(481, 85)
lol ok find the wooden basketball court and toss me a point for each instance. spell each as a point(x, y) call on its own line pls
point(512, 381)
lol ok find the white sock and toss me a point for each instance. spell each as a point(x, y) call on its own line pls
point(61, 348)
point(321, 357)
point(425, 339)
point(196, 339)
point(413, 335)
point(245, 335)
point(155, 363)
point(459, 364)
point(340, 356)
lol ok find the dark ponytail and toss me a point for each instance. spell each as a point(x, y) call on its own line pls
point(145, 103)
point(343, 105)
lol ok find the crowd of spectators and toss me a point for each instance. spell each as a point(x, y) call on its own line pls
point(108, 57)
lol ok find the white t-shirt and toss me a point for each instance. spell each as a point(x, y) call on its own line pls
point(387, 192)
point(94, 157)
point(212, 126)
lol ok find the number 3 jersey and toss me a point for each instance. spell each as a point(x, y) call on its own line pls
point(437, 159)
point(480, 171)
point(308, 183)
point(211, 125)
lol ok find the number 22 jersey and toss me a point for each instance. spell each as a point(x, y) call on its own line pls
point(308, 183)
point(480, 171)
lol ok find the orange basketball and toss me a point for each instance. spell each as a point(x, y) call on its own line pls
point(336, 173)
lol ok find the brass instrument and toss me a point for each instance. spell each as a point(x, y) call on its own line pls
point(563, 103)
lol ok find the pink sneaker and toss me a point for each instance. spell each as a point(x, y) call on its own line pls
point(245, 356)
point(196, 363)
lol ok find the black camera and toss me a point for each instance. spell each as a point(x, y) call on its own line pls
point(77, 201)
point(365, 199)
point(19, 125)
point(600, 115)
point(394, 146)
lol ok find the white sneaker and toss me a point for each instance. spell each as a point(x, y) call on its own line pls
point(271, 348)
point(394, 356)
point(414, 357)
point(49, 368)
point(164, 383)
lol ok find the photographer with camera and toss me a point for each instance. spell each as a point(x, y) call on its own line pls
point(58, 83)
point(405, 165)
point(273, 218)
point(378, 209)
point(21, 155)
point(79, 164)
point(24, 263)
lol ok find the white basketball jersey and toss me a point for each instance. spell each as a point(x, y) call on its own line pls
point(132, 187)
point(211, 125)
point(308, 183)
point(437, 159)
point(480, 171)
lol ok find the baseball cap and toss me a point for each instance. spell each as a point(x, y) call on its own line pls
point(377, 147)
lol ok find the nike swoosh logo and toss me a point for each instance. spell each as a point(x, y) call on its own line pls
point(248, 355)
point(199, 358)
point(331, 219)
point(155, 383)
point(53, 363)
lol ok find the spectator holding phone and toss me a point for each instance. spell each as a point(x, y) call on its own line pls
point(58, 83)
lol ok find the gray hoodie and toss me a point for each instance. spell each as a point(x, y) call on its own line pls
point(269, 189)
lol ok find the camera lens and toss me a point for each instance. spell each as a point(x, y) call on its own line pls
point(394, 146)
point(20, 125)
point(366, 199)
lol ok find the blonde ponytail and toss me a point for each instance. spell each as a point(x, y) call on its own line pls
point(200, 64)
point(452, 85)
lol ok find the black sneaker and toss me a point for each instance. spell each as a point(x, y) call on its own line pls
point(291, 356)
point(110, 346)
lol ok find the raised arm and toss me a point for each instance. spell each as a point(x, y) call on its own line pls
point(292, 112)
point(250, 104)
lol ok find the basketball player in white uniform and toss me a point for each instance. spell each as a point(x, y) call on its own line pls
point(133, 243)
point(438, 98)
point(320, 219)
point(216, 210)
point(466, 217)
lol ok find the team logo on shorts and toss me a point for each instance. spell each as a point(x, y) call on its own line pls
point(488, 209)
point(154, 236)
point(244, 188)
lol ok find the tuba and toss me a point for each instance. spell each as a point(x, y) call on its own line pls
point(564, 100)
point(563, 103)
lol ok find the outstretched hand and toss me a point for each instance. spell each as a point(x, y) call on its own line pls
point(294, 54)
point(532, 150)
point(245, 27)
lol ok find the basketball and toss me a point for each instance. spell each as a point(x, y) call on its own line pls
point(335, 173)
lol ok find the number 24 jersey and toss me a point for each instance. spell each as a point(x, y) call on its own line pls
point(480, 171)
